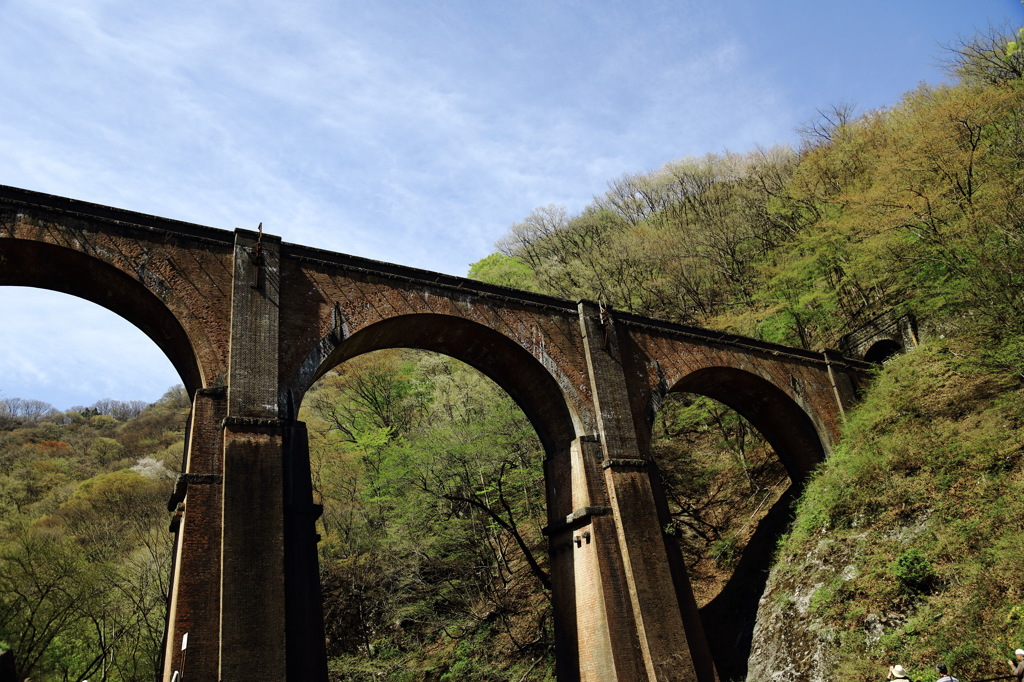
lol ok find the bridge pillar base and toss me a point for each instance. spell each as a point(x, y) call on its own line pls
point(253, 623)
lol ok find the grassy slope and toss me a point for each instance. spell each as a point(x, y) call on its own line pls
point(912, 532)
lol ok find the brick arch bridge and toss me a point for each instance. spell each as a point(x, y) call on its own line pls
point(251, 322)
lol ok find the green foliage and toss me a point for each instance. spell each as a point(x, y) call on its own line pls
point(726, 550)
point(432, 556)
point(681, 243)
point(105, 450)
point(505, 271)
point(84, 548)
point(913, 572)
point(920, 508)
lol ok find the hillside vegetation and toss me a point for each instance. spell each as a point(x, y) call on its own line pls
point(84, 548)
point(904, 545)
point(903, 548)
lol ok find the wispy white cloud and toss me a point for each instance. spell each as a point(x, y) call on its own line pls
point(58, 349)
point(413, 132)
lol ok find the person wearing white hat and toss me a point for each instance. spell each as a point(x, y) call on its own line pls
point(1017, 669)
point(897, 672)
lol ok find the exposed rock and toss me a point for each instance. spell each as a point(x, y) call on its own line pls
point(789, 644)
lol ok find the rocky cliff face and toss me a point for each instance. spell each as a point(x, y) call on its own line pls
point(789, 644)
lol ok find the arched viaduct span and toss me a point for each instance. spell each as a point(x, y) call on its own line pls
point(251, 322)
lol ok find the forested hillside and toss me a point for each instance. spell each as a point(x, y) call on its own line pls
point(84, 547)
point(903, 548)
point(916, 206)
point(427, 470)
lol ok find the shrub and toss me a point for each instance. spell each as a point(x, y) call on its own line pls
point(913, 572)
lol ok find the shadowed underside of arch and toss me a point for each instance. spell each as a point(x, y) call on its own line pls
point(45, 266)
point(779, 419)
point(510, 366)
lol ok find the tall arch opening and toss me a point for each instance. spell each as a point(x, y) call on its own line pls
point(69, 352)
point(85, 474)
point(45, 266)
point(434, 430)
point(733, 451)
point(511, 367)
point(432, 552)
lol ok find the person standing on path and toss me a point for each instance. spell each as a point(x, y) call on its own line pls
point(898, 672)
point(946, 677)
point(1017, 668)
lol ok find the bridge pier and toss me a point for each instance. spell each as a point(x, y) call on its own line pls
point(595, 631)
point(261, 568)
point(305, 643)
point(247, 545)
point(252, 636)
point(651, 597)
point(195, 578)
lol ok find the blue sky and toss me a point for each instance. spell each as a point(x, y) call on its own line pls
point(410, 132)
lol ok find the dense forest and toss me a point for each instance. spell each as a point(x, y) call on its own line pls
point(84, 544)
point(903, 548)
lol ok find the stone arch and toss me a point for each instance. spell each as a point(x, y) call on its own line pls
point(783, 423)
point(729, 618)
point(504, 361)
point(45, 266)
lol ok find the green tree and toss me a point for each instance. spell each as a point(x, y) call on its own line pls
point(990, 57)
point(428, 471)
point(506, 271)
point(47, 590)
